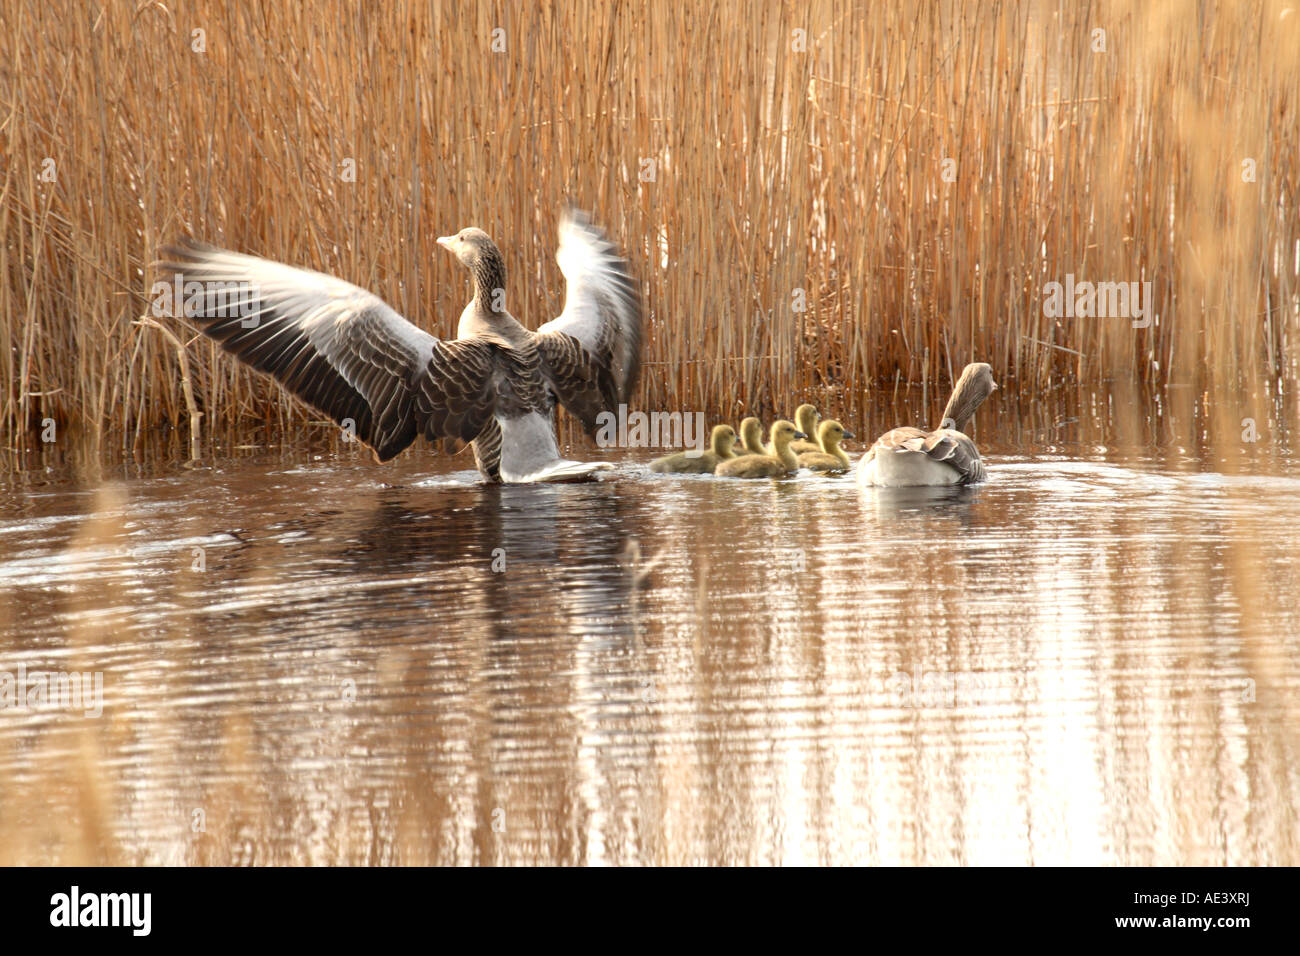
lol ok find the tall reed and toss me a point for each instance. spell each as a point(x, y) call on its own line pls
point(819, 197)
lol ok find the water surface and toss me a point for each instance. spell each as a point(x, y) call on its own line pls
point(308, 658)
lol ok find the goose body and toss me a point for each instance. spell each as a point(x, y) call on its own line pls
point(766, 466)
point(908, 457)
point(351, 356)
point(721, 444)
point(832, 458)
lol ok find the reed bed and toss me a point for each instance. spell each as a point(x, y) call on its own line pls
point(821, 198)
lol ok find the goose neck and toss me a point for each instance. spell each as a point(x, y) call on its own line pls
point(957, 413)
point(490, 283)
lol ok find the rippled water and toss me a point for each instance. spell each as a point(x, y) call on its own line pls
point(307, 658)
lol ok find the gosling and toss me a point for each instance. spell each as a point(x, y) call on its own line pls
point(751, 438)
point(805, 419)
point(722, 443)
point(766, 466)
point(831, 459)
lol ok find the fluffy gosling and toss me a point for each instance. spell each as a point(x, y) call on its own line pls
point(831, 458)
point(766, 466)
point(805, 419)
point(722, 441)
point(751, 438)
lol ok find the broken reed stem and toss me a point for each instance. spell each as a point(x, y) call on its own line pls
point(187, 389)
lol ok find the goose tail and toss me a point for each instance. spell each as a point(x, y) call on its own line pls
point(529, 452)
point(562, 470)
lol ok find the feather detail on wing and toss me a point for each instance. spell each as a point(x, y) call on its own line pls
point(945, 445)
point(340, 349)
point(581, 384)
point(602, 306)
point(957, 451)
point(487, 451)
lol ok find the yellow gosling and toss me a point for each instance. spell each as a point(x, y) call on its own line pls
point(751, 438)
point(722, 443)
point(766, 466)
point(832, 459)
point(805, 419)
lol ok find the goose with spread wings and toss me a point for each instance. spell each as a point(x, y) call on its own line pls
point(348, 354)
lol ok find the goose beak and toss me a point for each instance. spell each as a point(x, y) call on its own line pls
point(849, 434)
point(446, 241)
point(800, 435)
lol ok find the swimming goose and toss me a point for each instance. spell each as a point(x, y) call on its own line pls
point(805, 419)
point(348, 354)
point(832, 459)
point(721, 443)
point(907, 457)
point(766, 466)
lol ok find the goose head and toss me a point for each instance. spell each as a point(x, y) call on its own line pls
point(973, 386)
point(473, 249)
point(722, 441)
point(783, 433)
point(830, 433)
point(470, 246)
point(805, 417)
point(751, 434)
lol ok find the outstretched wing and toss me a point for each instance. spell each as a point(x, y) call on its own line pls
point(340, 349)
point(601, 317)
point(583, 385)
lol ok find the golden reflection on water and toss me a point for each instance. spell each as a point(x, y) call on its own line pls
point(307, 659)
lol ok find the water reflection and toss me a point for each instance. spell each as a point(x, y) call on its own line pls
point(1090, 659)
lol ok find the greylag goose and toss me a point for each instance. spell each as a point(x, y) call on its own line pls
point(805, 419)
point(907, 457)
point(751, 438)
point(348, 354)
point(722, 443)
point(832, 457)
point(766, 466)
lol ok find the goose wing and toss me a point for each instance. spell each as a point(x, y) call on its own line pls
point(340, 349)
point(583, 385)
point(894, 440)
point(957, 451)
point(951, 447)
point(487, 451)
point(592, 349)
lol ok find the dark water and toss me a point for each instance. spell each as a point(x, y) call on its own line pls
point(307, 658)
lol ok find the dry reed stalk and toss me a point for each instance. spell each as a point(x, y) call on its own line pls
point(739, 152)
point(182, 357)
